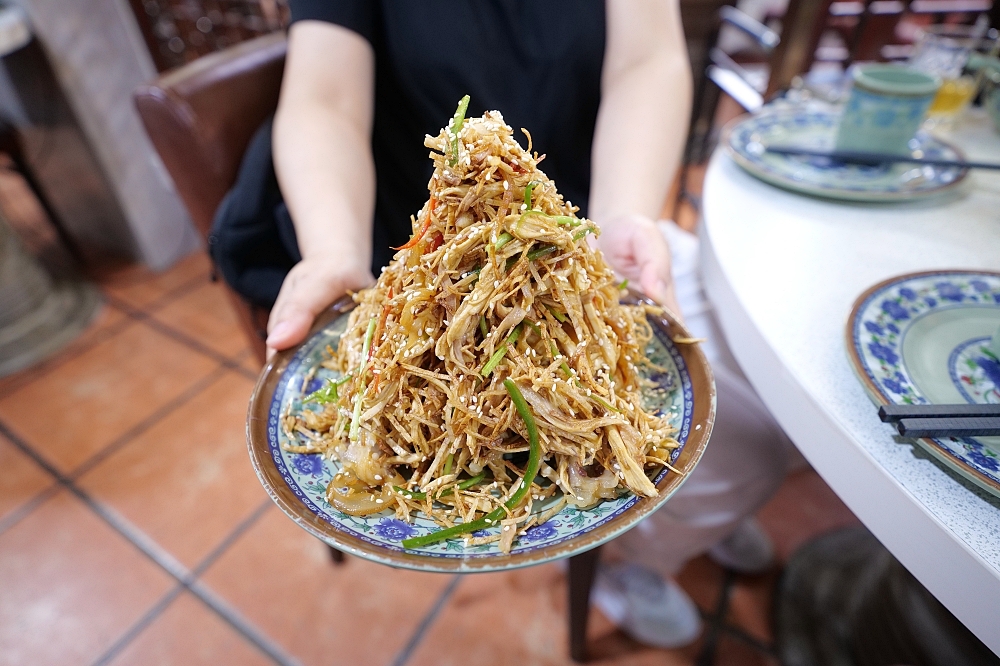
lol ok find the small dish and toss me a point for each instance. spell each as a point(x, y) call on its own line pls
point(745, 139)
point(924, 338)
point(297, 483)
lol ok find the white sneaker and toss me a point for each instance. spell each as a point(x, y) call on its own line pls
point(747, 550)
point(651, 610)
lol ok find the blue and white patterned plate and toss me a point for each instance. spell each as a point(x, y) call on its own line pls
point(924, 338)
point(745, 140)
point(298, 482)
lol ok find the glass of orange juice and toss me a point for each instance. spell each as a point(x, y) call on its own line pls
point(943, 50)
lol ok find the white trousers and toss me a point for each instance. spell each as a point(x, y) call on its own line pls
point(746, 458)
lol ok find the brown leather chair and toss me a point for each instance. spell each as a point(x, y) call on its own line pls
point(200, 117)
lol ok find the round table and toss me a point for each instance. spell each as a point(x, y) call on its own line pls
point(783, 271)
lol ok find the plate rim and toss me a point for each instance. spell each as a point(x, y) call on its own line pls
point(703, 415)
point(828, 193)
point(875, 392)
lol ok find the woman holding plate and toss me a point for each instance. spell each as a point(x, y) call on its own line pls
point(605, 90)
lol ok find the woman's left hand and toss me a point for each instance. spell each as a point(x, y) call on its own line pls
point(637, 250)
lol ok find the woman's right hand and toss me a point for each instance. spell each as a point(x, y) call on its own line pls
point(311, 286)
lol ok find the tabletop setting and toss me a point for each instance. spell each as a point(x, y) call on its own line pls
point(608, 331)
point(882, 308)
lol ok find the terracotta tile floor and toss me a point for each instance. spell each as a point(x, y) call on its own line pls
point(133, 531)
point(132, 526)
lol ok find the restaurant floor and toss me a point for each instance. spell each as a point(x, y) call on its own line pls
point(133, 529)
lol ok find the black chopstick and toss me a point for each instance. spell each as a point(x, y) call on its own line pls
point(871, 159)
point(893, 413)
point(973, 426)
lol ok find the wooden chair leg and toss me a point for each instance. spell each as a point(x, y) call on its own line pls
point(336, 555)
point(582, 568)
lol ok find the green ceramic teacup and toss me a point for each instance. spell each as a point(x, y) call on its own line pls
point(885, 108)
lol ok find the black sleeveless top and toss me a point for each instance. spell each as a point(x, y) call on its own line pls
point(538, 62)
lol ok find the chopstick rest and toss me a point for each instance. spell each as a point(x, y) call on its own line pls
point(969, 426)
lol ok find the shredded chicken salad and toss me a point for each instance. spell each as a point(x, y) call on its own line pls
point(491, 367)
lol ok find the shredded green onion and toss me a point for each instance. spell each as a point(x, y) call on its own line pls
point(500, 352)
point(624, 285)
point(541, 252)
point(561, 220)
point(555, 353)
point(502, 240)
point(530, 472)
point(560, 317)
point(482, 326)
point(456, 126)
point(527, 193)
point(328, 393)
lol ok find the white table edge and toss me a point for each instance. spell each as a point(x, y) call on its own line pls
point(955, 574)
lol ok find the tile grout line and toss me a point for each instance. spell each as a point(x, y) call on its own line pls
point(242, 625)
point(177, 292)
point(707, 655)
point(153, 613)
point(137, 628)
point(163, 299)
point(158, 555)
point(115, 303)
point(64, 480)
point(147, 423)
point(237, 532)
point(104, 335)
point(418, 635)
point(22, 511)
point(183, 338)
point(187, 579)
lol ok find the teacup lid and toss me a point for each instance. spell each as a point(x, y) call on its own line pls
point(895, 80)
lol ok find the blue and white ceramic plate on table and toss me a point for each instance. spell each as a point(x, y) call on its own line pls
point(925, 338)
point(745, 140)
point(297, 483)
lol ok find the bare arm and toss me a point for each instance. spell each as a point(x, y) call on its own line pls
point(324, 164)
point(641, 127)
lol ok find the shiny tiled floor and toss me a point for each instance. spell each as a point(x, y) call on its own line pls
point(133, 530)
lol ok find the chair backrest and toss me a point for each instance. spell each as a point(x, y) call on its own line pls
point(867, 28)
point(200, 117)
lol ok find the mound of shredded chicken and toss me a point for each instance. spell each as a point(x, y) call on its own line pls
point(496, 293)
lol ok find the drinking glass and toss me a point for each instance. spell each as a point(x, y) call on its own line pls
point(943, 51)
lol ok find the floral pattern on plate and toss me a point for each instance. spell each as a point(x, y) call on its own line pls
point(308, 475)
point(975, 371)
point(879, 327)
point(816, 130)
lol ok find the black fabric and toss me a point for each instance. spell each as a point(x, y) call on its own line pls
point(253, 240)
point(536, 61)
